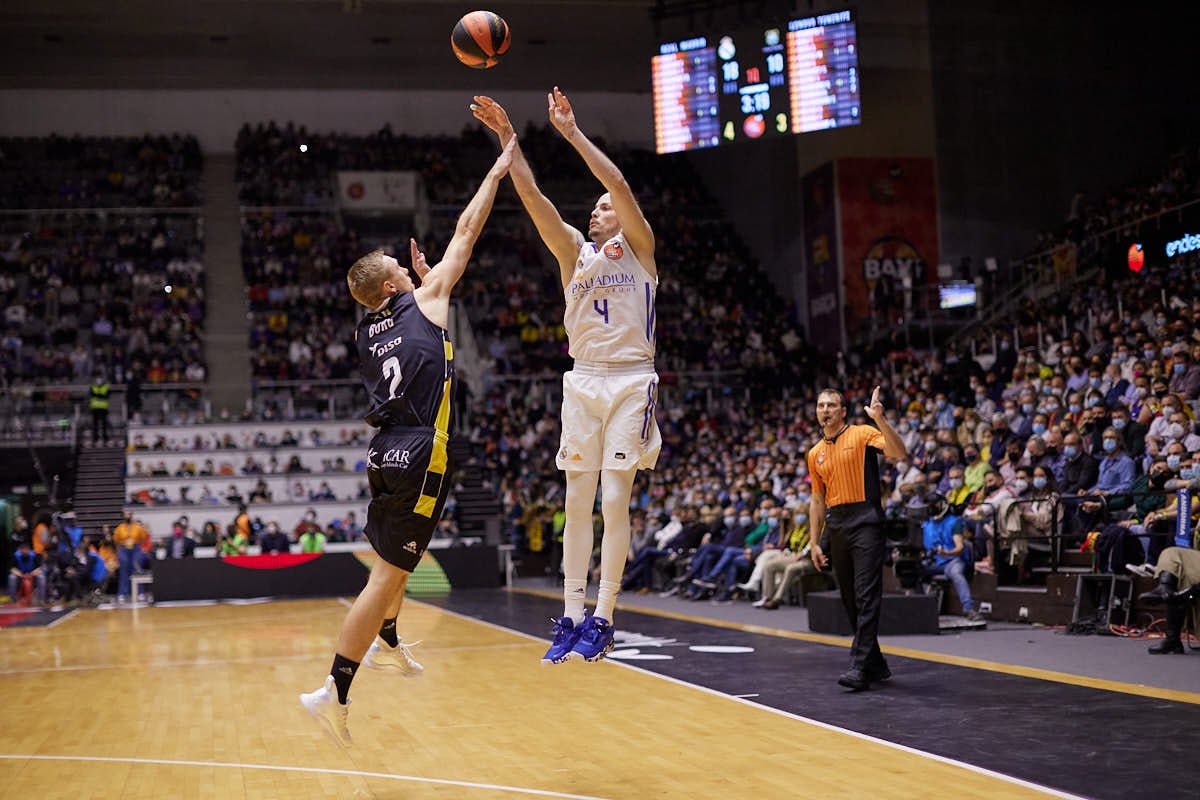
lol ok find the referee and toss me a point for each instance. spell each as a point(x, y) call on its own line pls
point(847, 507)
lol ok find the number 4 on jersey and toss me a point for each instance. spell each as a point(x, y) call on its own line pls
point(602, 310)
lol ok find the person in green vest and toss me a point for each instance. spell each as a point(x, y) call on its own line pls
point(98, 403)
point(312, 541)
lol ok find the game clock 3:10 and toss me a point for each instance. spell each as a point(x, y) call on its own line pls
point(753, 94)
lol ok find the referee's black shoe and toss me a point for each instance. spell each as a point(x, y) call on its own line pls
point(875, 673)
point(854, 680)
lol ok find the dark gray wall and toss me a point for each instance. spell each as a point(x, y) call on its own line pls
point(1038, 100)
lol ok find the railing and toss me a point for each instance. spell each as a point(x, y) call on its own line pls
point(1062, 532)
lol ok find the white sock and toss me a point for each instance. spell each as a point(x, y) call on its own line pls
point(573, 594)
point(607, 600)
point(577, 540)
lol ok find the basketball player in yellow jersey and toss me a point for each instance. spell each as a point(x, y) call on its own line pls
point(609, 431)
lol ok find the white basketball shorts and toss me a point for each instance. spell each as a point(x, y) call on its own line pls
point(608, 418)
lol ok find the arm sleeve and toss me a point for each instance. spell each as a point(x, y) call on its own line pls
point(818, 485)
point(871, 437)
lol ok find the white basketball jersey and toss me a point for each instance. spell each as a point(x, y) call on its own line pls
point(610, 305)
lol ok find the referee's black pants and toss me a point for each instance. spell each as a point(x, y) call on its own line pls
point(856, 551)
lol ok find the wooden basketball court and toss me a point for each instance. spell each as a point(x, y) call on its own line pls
point(201, 702)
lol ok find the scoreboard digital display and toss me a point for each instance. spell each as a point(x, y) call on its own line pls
point(780, 80)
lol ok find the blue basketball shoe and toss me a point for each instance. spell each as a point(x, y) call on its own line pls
point(595, 639)
point(566, 634)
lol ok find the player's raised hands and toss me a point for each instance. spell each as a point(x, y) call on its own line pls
point(875, 408)
point(505, 159)
point(492, 114)
point(561, 115)
point(419, 264)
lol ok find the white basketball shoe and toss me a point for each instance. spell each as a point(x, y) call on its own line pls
point(384, 656)
point(323, 704)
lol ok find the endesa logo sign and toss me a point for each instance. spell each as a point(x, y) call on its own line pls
point(1184, 244)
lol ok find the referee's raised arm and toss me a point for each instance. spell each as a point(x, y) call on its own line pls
point(893, 445)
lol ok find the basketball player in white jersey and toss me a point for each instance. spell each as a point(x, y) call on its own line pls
point(609, 431)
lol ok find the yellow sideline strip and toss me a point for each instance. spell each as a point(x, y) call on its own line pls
point(921, 655)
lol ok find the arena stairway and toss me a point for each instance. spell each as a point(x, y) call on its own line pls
point(99, 487)
point(479, 510)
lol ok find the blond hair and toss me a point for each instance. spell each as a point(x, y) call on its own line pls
point(366, 277)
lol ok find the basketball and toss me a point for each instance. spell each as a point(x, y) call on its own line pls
point(479, 39)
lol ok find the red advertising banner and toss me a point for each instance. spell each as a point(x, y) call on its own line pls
point(889, 227)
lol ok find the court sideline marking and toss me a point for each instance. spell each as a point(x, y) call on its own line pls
point(170, 762)
point(818, 723)
point(1037, 673)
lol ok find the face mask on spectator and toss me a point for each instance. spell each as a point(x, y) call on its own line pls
point(956, 483)
point(903, 427)
point(729, 521)
point(1039, 482)
point(930, 445)
point(1070, 452)
point(1178, 367)
point(1095, 382)
point(1019, 486)
point(1051, 408)
point(1141, 392)
point(1175, 431)
point(1160, 321)
point(979, 398)
point(1110, 445)
point(1148, 354)
point(1010, 413)
point(1092, 402)
point(1187, 473)
point(1038, 428)
point(971, 455)
point(801, 519)
point(773, 522)
point(941, 404)
point(1118, 423)
point(744, 520)
point(1120, 357)
point(1026, 408)
point(1173, 463)
point(1074, 408)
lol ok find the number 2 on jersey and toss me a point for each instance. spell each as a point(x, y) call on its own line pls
point(602, 310)
point(391, 370)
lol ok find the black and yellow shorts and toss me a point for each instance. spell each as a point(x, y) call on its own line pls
point(408, 471)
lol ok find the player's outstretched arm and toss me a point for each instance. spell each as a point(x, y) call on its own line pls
point(442, 277)
point(561, 238)
point(633, 223)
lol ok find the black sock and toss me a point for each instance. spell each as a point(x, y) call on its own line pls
point(388, 632)
point(343, 670)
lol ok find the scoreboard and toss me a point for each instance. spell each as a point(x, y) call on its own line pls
point(793, 78)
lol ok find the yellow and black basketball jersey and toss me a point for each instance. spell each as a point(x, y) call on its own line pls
point(407, 366)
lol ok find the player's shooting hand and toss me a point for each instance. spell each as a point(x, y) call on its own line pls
point(492, 114)
point(418, 259)
point(875, 408)
point(561, 115)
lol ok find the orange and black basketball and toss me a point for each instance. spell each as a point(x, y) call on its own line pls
point(479, 39)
